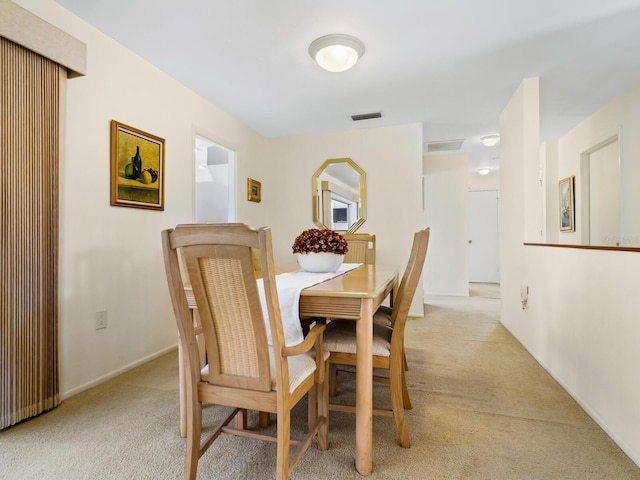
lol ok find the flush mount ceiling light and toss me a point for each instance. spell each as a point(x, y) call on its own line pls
point(490, 140)
point(336, 52)
point(484, 171)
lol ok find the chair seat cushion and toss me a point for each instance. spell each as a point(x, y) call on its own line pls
point(383, 316)
point(340, 336)
point(300, 367)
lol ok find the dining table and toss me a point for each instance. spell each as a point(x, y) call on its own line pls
point(353, 295)
point(356, 295)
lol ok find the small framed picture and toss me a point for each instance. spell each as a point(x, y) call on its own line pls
point(567, 204)
point(254, 190)
point(137, 168)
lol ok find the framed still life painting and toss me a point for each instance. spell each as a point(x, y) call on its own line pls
point(137, 168)
point(567, 204)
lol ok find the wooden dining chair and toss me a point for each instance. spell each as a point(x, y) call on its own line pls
point(388, 341)
point(242, 370)
point(362, 248)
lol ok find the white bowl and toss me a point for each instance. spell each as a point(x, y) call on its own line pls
point(320, 262)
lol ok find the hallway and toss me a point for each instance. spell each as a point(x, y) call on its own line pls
point(493, 411)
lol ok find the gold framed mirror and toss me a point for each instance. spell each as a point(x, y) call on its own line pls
point(339, 195)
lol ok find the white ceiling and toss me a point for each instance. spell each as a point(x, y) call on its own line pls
point(451, 65)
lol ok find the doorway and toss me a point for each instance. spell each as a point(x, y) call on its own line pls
point(601, 195)
point(483, 236)
point(215, 196)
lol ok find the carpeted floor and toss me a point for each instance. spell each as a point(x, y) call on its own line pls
point(483, 409)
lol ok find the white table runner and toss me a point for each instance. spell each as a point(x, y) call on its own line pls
point(289, 286)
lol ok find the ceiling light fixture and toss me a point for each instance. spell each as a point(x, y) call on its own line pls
point(336, 52)
point(490, 140)
point(484, 171)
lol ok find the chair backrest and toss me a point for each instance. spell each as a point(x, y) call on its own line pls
point(407, 288)
point(362, 248)
point(255, 257)
point(219, 262)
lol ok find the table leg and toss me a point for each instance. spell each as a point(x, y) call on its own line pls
point(364, 388)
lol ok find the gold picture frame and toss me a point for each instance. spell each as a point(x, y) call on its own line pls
point(567, 204)
point(254, 190)
point(137, 168)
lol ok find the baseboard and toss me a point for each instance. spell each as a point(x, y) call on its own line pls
point(634, 456)
point(428, 295)
point(115, 373)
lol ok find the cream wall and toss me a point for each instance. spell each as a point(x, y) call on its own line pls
point(581, 323)
point(620, 117)
point(446, 210)
point(392, 160)
point(549, 164)
point(110, 257)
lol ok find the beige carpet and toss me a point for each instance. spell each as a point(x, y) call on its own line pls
point(483, 409)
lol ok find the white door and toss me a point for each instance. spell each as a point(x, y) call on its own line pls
point(483, 236)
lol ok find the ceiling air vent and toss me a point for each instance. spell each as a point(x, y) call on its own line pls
point(366, 116)
point(444, 145)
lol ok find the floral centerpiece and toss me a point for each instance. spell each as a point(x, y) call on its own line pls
point(316, 240)
point(320, 250)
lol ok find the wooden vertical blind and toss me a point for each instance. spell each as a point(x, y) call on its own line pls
point(29, 151)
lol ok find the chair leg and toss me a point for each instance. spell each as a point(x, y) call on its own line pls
point(406, 401)
point(397, 401)
point(264, 420)
point(312, 406)
point(284, 443)
point(194, 429)
point(241, 420)
point(322, 402)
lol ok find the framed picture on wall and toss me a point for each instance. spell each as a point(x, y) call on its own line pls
point(254, 190)
point(137, 168)
point(567, 204)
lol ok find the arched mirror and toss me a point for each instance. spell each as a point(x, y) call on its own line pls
point(339, 195)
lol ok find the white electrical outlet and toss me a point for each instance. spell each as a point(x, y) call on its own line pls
point(101, 319)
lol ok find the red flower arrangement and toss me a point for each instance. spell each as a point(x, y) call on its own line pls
point(316, 240)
